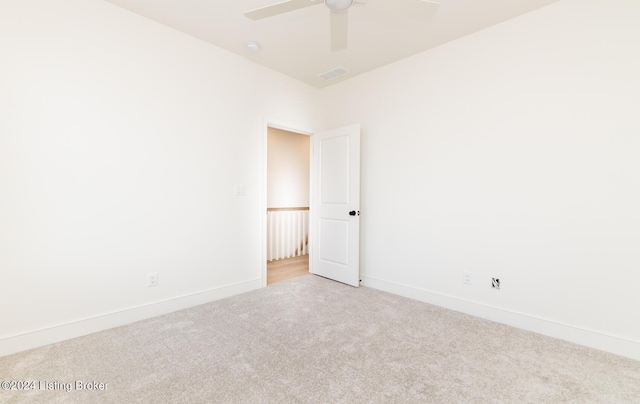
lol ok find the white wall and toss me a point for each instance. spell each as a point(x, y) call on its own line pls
point(121, 141)
point(511, 153)
point(287, 169)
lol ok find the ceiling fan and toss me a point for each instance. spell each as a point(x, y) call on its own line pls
point(339, 13)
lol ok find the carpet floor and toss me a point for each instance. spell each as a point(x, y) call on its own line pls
point(312, 340)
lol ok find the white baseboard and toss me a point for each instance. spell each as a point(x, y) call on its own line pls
point(593, 339)
point(102, 322)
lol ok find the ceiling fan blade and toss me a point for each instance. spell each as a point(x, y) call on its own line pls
point(339, 30)
point(423, 9)
point(280, 8)
point(419, 8)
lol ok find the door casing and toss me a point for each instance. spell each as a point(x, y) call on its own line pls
point(263, 203)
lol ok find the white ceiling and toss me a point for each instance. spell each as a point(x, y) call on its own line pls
point(298, 43)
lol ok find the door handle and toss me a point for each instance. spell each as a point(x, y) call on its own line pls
point(353, 213)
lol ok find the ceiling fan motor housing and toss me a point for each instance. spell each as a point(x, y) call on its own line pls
point(338, 5)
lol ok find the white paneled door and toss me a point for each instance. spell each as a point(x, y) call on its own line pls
point(335, 205)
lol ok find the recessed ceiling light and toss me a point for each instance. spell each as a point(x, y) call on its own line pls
point(252, 46)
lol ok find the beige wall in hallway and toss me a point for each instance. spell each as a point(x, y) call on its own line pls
point(287, 169)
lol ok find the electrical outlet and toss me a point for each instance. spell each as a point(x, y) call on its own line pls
point(495, 283)
point(152, 279)
point(466, 278)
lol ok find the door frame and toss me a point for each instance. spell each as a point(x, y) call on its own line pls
point(263, 194)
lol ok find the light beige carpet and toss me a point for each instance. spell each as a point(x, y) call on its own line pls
point(311, 340)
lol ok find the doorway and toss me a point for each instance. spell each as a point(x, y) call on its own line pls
point(287, 194)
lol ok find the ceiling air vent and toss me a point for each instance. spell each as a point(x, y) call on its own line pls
point(334, 73)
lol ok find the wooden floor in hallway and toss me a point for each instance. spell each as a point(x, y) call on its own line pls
point(288, 268)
